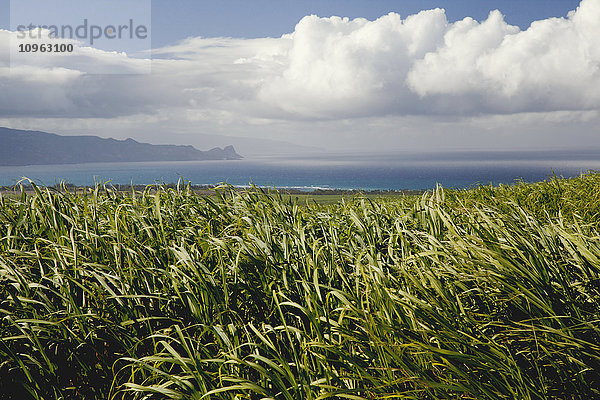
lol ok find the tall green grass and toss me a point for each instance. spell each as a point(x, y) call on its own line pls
point(490, 293)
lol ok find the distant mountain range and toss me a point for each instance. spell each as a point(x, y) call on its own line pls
point(18, 147)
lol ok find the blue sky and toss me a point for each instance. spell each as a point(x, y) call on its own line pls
point(393, 75)
point(258, 18)
point(173, 20)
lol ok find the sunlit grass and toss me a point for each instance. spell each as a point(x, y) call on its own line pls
point(490, 293)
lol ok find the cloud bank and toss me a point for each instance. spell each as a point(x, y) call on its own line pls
point(329, 69)
point(426, 65)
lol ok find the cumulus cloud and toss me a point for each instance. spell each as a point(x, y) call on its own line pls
point(426, 65)
point(352, 67)
point(553, 65)
point(330, 69)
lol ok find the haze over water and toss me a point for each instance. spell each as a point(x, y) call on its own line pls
point(349, 171)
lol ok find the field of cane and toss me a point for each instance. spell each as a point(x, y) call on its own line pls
point(488, 293)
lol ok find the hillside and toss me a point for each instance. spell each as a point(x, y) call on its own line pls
point(18, 147)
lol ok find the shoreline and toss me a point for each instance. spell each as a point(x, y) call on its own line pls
point(210, 189)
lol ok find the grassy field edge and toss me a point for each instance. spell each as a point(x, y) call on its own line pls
point(487, 293)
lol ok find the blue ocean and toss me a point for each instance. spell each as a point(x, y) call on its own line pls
point(341, 171)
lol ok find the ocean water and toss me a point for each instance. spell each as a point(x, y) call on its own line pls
point(346, 171)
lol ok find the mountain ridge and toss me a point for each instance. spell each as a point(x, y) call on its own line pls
point(21, 147)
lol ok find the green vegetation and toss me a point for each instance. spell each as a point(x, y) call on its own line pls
point(490, 293)
point(330, 198)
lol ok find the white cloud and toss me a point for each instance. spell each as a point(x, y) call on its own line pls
point(338, 67)
point(328, 69)
point(452, 68)
point(553, 65)
point(424, 65)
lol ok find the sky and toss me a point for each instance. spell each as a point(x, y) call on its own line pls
point(353, 75)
